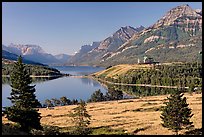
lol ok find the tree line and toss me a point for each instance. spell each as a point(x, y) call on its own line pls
point(181, 75)
point(96, 96)
point(35, 70)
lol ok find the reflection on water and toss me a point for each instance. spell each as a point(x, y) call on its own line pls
point(90, 82)
point(36, 80)
point(145, 91)
point(48, 88)
point(78, 70)
point(79, 88)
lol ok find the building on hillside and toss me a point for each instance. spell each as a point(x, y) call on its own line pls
point(149, 60)
point(138, 61)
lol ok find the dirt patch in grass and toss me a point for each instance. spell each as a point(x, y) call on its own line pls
point(148, 104)
point(147, 109)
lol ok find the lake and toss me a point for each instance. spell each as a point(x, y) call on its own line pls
point(78, 88)
point(72, 88)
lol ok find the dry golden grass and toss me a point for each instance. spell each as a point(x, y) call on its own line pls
point(122, 69)
point(123, 114)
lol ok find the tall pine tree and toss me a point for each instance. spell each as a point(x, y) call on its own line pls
point(176, 114)
point(24, 103)
point(81, 119)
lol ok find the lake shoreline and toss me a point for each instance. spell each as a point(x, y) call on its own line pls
point(139, 85)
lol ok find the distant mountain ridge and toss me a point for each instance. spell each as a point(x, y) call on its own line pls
point(62, 58)
point(35, 53)
point(7, 56)
point(101, 50)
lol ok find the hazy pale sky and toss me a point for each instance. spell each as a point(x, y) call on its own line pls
point(63, 27)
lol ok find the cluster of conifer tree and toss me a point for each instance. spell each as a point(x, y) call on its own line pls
point(36, 70)
point(181, 75)
point(97, 96)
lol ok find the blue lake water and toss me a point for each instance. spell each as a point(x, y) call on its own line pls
point(77, 88)
point(72, 88)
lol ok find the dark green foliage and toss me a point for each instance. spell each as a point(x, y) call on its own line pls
point(197, 131)
point(107, 130)
point(56, 102)
point(176, 114)
point(97, 96)
point(187, 74)
point(147, 109)
point(36, 70)
point(113, 94)
point(12, 129)
point(74, 101)
point(48, 103)
point(81, 119)
point(23, 111)
point(47, 130)
point(65, 101)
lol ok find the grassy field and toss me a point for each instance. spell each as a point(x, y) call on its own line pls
point(117, 70)
point(136, 116)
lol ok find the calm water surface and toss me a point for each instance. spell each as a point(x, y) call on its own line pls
point(72, 88)
point(78, 88)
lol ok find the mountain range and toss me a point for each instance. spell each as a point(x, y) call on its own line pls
point(33, 53)
point(177, 36)
point(99, 51)
point(8, 57)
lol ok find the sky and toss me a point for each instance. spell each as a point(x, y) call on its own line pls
point(63, 27)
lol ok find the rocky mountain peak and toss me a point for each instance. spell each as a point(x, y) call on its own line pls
point(118, 38)
point(175, 13)
point(27, 49)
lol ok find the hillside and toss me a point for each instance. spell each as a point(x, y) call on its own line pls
point(8, 57)
point(136, 116)
point(119, 70)
point(146, 79)
point(91, 54)
point(34, 70)
point(176, 37)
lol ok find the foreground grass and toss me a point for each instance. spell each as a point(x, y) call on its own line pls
point(133, 116)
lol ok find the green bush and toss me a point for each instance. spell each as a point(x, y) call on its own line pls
point(47, 130)
point(107, 131)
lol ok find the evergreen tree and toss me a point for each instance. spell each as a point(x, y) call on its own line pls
point(55, 101)
point(176, 114)
point(48, 103)
point(81, 119)
point(23, 111)
point(97, 96)
point(74, 101)
point(65, 101)
point(113, 94)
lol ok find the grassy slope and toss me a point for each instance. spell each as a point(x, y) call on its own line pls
point(142, 114)
point(121, 69)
